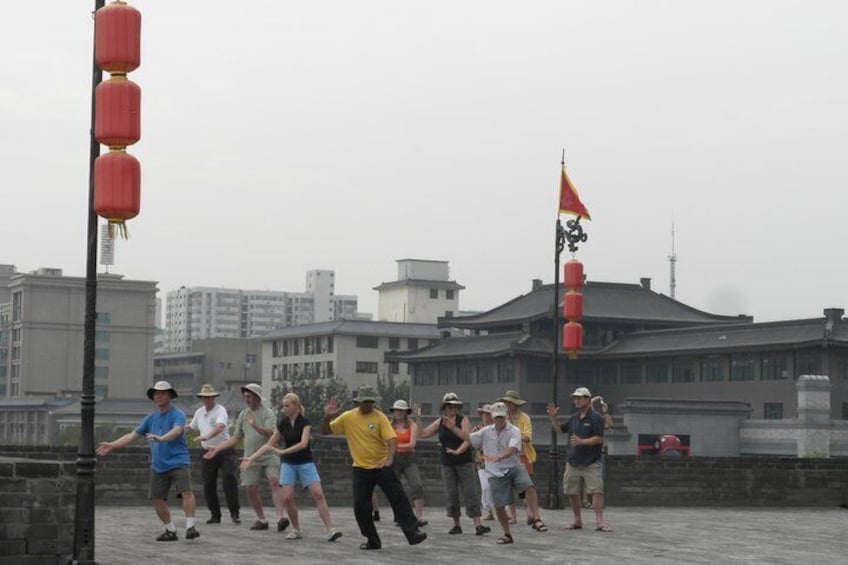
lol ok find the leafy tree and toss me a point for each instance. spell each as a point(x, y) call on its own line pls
point(389, 391)
point(313, 393)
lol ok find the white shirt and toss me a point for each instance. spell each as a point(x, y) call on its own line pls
point(205, 422)
point(495, 442)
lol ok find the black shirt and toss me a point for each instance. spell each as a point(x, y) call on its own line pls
point(292, 435)
point(449, 440)
point(590, 426)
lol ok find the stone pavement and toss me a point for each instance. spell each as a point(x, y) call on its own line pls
point(642, 535)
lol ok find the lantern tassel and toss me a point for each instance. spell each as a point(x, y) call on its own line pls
point(118, 226)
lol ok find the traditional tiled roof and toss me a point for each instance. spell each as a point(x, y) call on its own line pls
point(357, 327)
point(486, 346)
point(741, 337)
point(602, 301)
point(420, 282)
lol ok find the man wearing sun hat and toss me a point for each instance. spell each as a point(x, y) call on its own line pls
point(585, 430)
point(255, 424)
point(210, 421)
point(520, 419)
point(170, 462)
point(372, 443)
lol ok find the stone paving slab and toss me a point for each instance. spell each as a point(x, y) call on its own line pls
point(642, 535)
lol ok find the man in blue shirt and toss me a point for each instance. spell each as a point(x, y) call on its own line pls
point(170, 462)
point(585, 430)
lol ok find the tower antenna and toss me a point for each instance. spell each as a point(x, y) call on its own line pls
point(672, 263)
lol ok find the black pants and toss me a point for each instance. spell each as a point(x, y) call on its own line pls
point(364, 481)
point(225, 461)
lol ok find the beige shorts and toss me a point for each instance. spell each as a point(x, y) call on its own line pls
point(591, 475)
point(269, 466)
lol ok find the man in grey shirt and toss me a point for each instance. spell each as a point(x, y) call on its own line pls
point(501, 444)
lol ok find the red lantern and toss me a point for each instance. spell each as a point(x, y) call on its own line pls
point(117, 38)
point(572, 339)
point(573, 275)
point(117, 112)
point(572, 306)
point(117, 187)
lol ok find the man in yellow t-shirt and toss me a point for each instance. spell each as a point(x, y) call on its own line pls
point(372, 443)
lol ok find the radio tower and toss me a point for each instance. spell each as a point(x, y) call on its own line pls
point(672, 261)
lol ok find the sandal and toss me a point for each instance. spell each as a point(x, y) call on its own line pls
point(574, 526)
point(530, 521)
point(539, 526)
point(603, 528)
point(504, 539)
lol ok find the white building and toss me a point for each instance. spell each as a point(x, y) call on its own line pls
point(207, 312)
point(422, 293)
point(351, 349)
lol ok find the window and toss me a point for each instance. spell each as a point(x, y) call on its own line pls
point(606, 375)
point(16, 306)
point(538, 408)
point(367, 341)
point(773, 410)
point(434, 293)
point(412, 343)
point(330, 369)
point(466, 371)
point(102, 336)
point(808, 364)
point(538, 372)
point(445, 376)
point(394, 343)
point(742, 368)
point(681, 371)
point(844, 410)
point(366, 367)
point(631, 374)
point(773, 368)
point(711, 370)
point(101, 354)
point(104, 318)
point(329, 344)
point(505, 373)
point(425, 374)
point(485, 373)
point(449, 294)
point(656, 373)
point(101, 372)
point(394, 368)
point(448, 313)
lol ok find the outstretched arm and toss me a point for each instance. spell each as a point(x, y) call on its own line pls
point(107, 446)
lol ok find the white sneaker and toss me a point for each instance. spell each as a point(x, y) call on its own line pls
point(333, 535)
point(293, 535)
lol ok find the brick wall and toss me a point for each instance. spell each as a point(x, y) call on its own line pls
point(36, 510)
point(123, 476)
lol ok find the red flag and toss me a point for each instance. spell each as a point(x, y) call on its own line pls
point(569, 201)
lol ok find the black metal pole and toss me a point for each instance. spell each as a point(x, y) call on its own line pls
point(84, 517)
point(553, 456)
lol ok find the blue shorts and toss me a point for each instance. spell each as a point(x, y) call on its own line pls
point(303, 473)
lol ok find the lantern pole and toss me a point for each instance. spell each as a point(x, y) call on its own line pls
point(553, 455)
point(84, 517)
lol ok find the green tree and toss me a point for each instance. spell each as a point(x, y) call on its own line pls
point(313, 393)
point(388, 390)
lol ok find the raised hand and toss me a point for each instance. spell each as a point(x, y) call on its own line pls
point(552, 410)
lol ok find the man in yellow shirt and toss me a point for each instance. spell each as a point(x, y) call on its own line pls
point(372, 443)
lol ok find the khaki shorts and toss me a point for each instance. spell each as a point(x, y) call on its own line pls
point(591, 475)
point(270, 466)
point(160, 483)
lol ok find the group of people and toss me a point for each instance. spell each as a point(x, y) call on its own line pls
point(481, 467)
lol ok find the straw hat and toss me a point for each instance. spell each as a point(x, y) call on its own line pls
point(401, 405)
point(450, 398)
point(207, 390)
point(253, 388)
point(512, 397)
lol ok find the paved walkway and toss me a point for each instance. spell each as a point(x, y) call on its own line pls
point(642, 535)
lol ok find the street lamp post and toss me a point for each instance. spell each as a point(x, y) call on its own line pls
point(84, 516)
point(553, 490)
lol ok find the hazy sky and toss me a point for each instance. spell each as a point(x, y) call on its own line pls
point(279, 137)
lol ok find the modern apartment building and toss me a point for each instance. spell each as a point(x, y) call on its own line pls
point(41, 336)
point(207, 312)
point(422, 293)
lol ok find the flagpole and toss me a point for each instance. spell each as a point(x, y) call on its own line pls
point(553, 455)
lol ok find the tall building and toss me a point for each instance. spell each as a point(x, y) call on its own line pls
point(422, 293)
point(41, 336)
point(205, 312)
